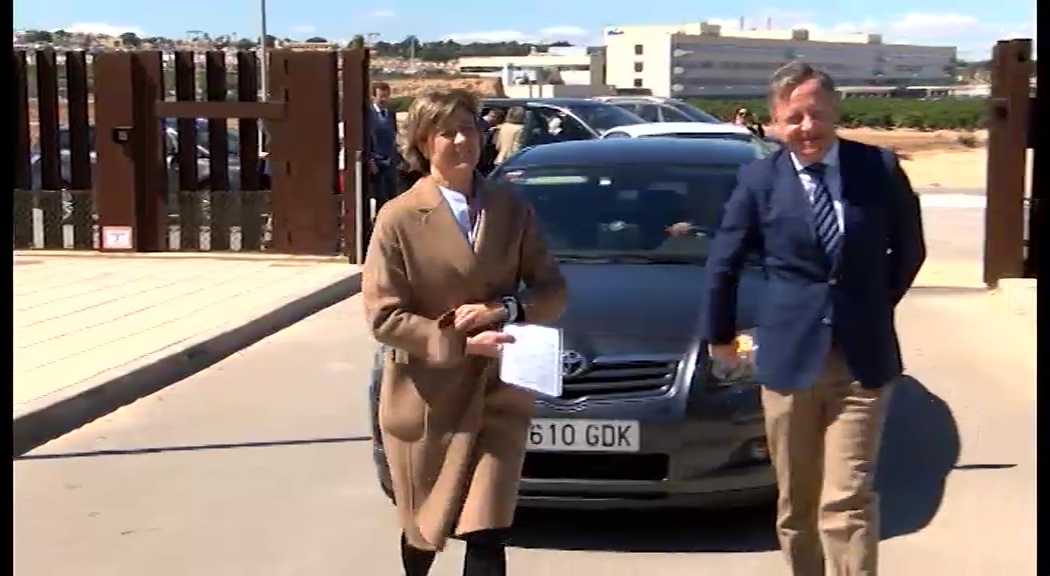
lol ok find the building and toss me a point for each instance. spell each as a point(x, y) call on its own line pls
point(571, 65)
point(697, 60)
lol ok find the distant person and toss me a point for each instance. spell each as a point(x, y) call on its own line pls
point(454, 434)
point(509, 134)
point(490, 124)
point(746, 118)
point(384, 160)
point(494, 117)
point(838, 230)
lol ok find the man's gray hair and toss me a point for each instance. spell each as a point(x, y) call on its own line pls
point(790, 76)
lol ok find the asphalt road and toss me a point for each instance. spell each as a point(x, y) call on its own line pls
point(261, 466)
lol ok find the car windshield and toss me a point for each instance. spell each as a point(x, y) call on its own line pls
point(603, 117)
point(634, 213)
point(695, 113)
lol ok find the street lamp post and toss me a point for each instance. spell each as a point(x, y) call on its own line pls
point(265, 63)
point(264, 72)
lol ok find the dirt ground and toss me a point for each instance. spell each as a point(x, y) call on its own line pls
point(941, 159)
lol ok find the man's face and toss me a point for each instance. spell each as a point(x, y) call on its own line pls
point(804, 119)
point(380, 96)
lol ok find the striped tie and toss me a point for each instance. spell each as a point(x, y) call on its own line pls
point(824, 217)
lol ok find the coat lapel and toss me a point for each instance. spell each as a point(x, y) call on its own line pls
point(441, 228)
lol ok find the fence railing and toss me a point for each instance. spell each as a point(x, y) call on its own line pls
point(142, 151)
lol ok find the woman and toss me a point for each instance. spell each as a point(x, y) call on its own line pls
point(745, 118)
point(508, 135)
point(441, 276)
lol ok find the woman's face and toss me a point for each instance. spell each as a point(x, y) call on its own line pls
point(455, 144)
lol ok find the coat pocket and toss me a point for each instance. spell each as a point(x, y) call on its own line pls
point(402, 410)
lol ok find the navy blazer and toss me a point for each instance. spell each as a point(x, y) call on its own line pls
point(809, 300)
point(384, 136)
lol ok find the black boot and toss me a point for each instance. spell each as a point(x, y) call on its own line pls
point(416, 562)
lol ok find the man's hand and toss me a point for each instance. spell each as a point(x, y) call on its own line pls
point(488, 343)
point(680, 228)
point(725, 353)
point(470, 317)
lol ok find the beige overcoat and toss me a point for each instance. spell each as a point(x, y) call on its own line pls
point(454, 435)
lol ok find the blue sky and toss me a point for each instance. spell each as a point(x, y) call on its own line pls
point(971, 25)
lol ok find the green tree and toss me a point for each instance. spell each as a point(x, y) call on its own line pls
point(317, 40)
point(35, 36)
point(130, 39)
point(357, 42)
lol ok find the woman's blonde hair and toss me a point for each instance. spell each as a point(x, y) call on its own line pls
point(425, 115)
point(516, 115)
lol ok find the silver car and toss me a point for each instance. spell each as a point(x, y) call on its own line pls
point(658, 109)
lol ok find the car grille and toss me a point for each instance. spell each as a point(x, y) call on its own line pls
point(623, 375)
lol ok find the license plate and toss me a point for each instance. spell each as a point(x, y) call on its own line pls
point(572, 435)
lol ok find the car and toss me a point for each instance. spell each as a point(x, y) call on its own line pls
point(646, 418)
point(721, 130)
point(658, 109)
point(171, 138)
point(579, 118)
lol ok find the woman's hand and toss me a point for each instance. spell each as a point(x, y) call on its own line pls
point(488, 343)
point(470, 317)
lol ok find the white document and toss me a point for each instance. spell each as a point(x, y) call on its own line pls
point(533, 360)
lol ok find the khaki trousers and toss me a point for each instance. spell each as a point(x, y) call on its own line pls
point(824, 442)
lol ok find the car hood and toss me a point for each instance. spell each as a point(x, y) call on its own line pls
point(641, 309)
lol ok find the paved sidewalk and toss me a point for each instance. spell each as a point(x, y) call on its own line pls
point(95, 331)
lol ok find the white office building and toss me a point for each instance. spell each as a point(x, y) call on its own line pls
point(696, 60)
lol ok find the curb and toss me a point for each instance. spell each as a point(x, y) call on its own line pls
point(54, 415)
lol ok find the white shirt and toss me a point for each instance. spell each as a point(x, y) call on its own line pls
point(832, 178)
point(457, 201)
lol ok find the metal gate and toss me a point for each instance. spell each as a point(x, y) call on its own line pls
point(171, 159)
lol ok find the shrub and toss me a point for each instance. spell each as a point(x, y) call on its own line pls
point(942, 114)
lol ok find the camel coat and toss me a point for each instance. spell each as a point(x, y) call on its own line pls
point(454, 435)
point(508, 140)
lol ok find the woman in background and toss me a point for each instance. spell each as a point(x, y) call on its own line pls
point(509, 135)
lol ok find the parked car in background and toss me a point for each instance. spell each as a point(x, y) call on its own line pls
point(658, 109)
point(171, 142)
point(550, 120)
point(646, 419)
point(693, 130)
point(171, 134)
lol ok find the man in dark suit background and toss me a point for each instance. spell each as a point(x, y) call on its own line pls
point(384, 158)
point(838, 230)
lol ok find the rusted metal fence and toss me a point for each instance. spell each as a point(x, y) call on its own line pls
point(148, 160)
point(1010, 252)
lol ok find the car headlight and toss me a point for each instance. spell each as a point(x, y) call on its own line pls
point(720, 373)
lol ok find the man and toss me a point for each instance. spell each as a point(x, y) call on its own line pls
point(839, 231)
point(384, 157)
point(489, 124)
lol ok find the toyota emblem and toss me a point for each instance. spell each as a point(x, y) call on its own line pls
point(572, 364)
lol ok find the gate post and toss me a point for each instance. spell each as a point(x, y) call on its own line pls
point(303, 153)
point(129, 178)
point(1007, 143)
point(357, 187)
point(1037, 204)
